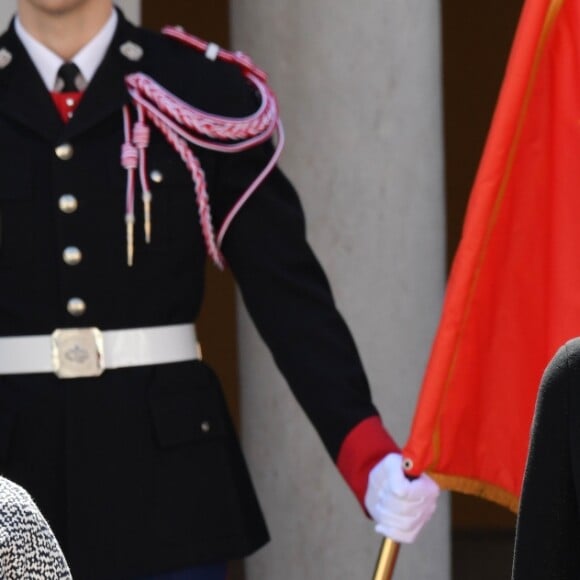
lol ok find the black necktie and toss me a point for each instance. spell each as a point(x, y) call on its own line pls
point(68, 78)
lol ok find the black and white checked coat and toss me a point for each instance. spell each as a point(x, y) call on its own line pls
point(28, 548)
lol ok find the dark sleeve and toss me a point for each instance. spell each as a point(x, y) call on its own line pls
point(289, 299)
point(548, 535)
point(284, 288)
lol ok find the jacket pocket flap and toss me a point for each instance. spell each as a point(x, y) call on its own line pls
point(187, 408)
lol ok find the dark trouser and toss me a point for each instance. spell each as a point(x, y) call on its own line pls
point(210, 572)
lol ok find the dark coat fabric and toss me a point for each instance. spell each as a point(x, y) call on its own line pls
point(120, 465)
point(548, 528)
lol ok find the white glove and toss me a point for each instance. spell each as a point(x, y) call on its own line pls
point(400, 507)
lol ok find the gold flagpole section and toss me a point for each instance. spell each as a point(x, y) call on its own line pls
point(387, 560)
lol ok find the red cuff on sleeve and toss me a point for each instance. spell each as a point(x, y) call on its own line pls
point(366, 444)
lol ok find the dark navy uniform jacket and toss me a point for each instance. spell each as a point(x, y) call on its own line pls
point(120, 465)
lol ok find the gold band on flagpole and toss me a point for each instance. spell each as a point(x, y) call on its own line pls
point(387, 560)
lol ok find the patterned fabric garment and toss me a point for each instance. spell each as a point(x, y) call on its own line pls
point(28, 548)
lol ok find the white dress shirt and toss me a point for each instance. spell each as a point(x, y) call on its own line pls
point(87, 59)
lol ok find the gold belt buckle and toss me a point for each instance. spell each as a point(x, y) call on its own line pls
point(77, 352)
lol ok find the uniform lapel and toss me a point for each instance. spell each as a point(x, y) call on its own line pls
point(107, 93)
point(23, 96)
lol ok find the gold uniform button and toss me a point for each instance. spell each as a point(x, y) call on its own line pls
point(156, 176)
point(72, 255)
point(76, 306)
point(64, 151)
point(68, 203)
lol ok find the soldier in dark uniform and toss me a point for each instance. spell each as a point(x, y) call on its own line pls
point(110, 195)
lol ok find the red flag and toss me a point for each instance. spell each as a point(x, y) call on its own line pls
point(513, 295)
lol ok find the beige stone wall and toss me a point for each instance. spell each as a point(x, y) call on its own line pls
point(360, 94)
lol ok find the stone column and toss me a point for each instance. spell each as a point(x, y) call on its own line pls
point(360, 92)
point(131, 8)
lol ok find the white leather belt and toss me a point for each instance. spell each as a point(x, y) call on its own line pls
point(87, 352)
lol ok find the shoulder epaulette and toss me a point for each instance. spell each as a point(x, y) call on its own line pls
point(213, 51)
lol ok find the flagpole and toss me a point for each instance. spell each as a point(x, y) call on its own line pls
point(387, 560)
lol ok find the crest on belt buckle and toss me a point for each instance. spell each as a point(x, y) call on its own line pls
point(77, 352)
